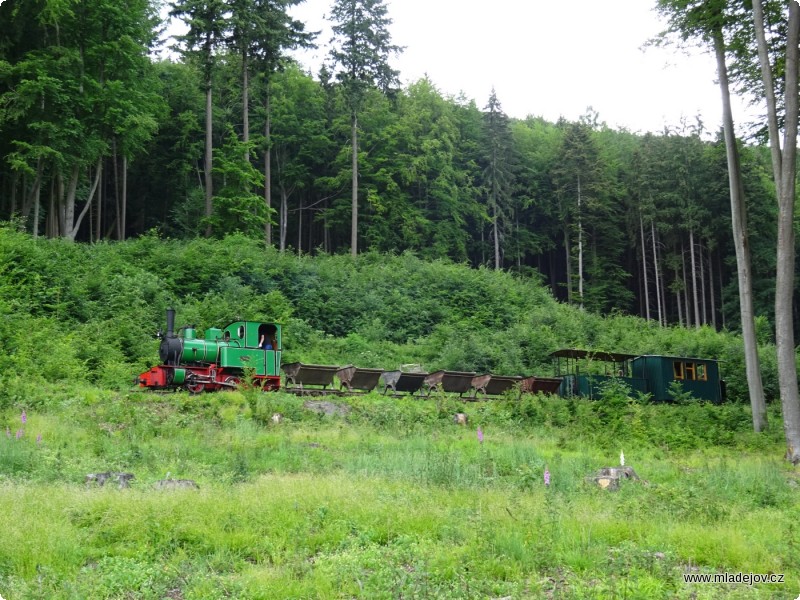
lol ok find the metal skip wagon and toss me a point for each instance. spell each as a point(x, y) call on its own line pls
point(311, 379)
point(402, 381)
point(357, 378)
point(455, 382)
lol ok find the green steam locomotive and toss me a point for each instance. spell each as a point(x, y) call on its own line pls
point(221, 359)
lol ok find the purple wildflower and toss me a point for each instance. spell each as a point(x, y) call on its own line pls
point(20, 433)
point(39, 439)
point(546, 477)
point(24, 417)
point(480, 434)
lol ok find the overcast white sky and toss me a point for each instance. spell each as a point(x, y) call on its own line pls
point(546, 58)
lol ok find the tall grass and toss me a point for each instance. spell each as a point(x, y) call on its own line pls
point(393, 500)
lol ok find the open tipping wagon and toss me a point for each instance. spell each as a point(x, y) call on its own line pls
point(356, 378)
point(455, 382)
point(401, 381)
point(309, 378)
point(493, 385)
point(544, 385)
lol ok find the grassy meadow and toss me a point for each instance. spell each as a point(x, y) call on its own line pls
point(390, 500)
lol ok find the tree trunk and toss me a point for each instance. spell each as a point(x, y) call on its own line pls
point(115, 161)
point(51, 225)
point(354, 217)
point(483, 245)
point(71, 228)
point(495, 233)
point(208, 162)
point(568, 255)
point(678, 302)
point(69, 202)
point(703, 303)
point(693, 271)
point(326, 241)
point(784, 171)
point(245, 106)
point(124, 211)
point(686, 310)
point(284, 217)
point(644, 268)
point(37, 189)
point(711, 293)
point(661, 301)
point(268, 170)
point(62, 204)
point(580, 248)
point(99, 224)
point(300, 228)
point(723, 320)
point(519, 249)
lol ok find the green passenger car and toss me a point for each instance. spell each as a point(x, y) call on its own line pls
point(698, 376)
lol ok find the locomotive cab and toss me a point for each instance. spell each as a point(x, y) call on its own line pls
point(246, 350)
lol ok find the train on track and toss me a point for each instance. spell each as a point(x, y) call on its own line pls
point(251, 351)
point(221, 359)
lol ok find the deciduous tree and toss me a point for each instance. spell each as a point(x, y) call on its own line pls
point(705, 21)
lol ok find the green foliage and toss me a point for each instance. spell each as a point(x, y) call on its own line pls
point(237, 208)
point(377, 311)
point(361, 47)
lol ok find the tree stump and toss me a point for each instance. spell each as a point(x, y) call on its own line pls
point(608, 478)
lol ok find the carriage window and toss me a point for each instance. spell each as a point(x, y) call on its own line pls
point(702, 375)
point(690, 371)
point(240, 332)
point(677, 370)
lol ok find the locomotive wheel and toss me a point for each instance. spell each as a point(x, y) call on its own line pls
point(196, 388)
point(233, 381)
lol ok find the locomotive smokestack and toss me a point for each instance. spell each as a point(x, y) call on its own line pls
point(170, 322)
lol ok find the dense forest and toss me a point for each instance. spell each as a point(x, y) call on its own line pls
point(101, 141)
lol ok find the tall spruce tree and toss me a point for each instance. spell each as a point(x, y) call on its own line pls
point(498, 172)
point(577, 179)
point(361, 47)
point(207, 22)
point(261, 32)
